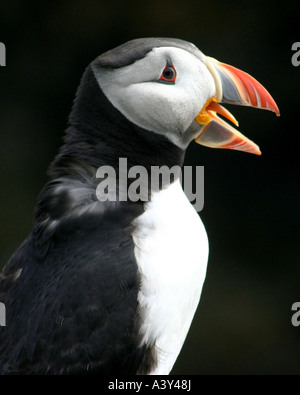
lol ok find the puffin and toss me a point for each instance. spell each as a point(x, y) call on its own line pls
point(106, 284)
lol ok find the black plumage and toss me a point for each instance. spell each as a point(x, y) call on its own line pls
point(111, 287)
point(71, 288)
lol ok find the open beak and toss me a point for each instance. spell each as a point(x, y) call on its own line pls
point(233, 86)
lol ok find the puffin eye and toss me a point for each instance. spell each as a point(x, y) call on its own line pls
point(168, 75)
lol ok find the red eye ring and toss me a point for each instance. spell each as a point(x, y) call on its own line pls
point(169, 74)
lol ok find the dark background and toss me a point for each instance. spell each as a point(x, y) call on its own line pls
point(243, 323)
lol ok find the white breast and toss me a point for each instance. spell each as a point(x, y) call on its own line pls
point(171, 249)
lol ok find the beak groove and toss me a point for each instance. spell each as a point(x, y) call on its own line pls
point(248, 91)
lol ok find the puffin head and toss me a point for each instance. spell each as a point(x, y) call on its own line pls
point(168, 86)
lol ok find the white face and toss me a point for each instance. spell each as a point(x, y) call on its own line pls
point(163, 108)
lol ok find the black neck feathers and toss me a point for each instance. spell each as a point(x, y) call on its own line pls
point(99, 135)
